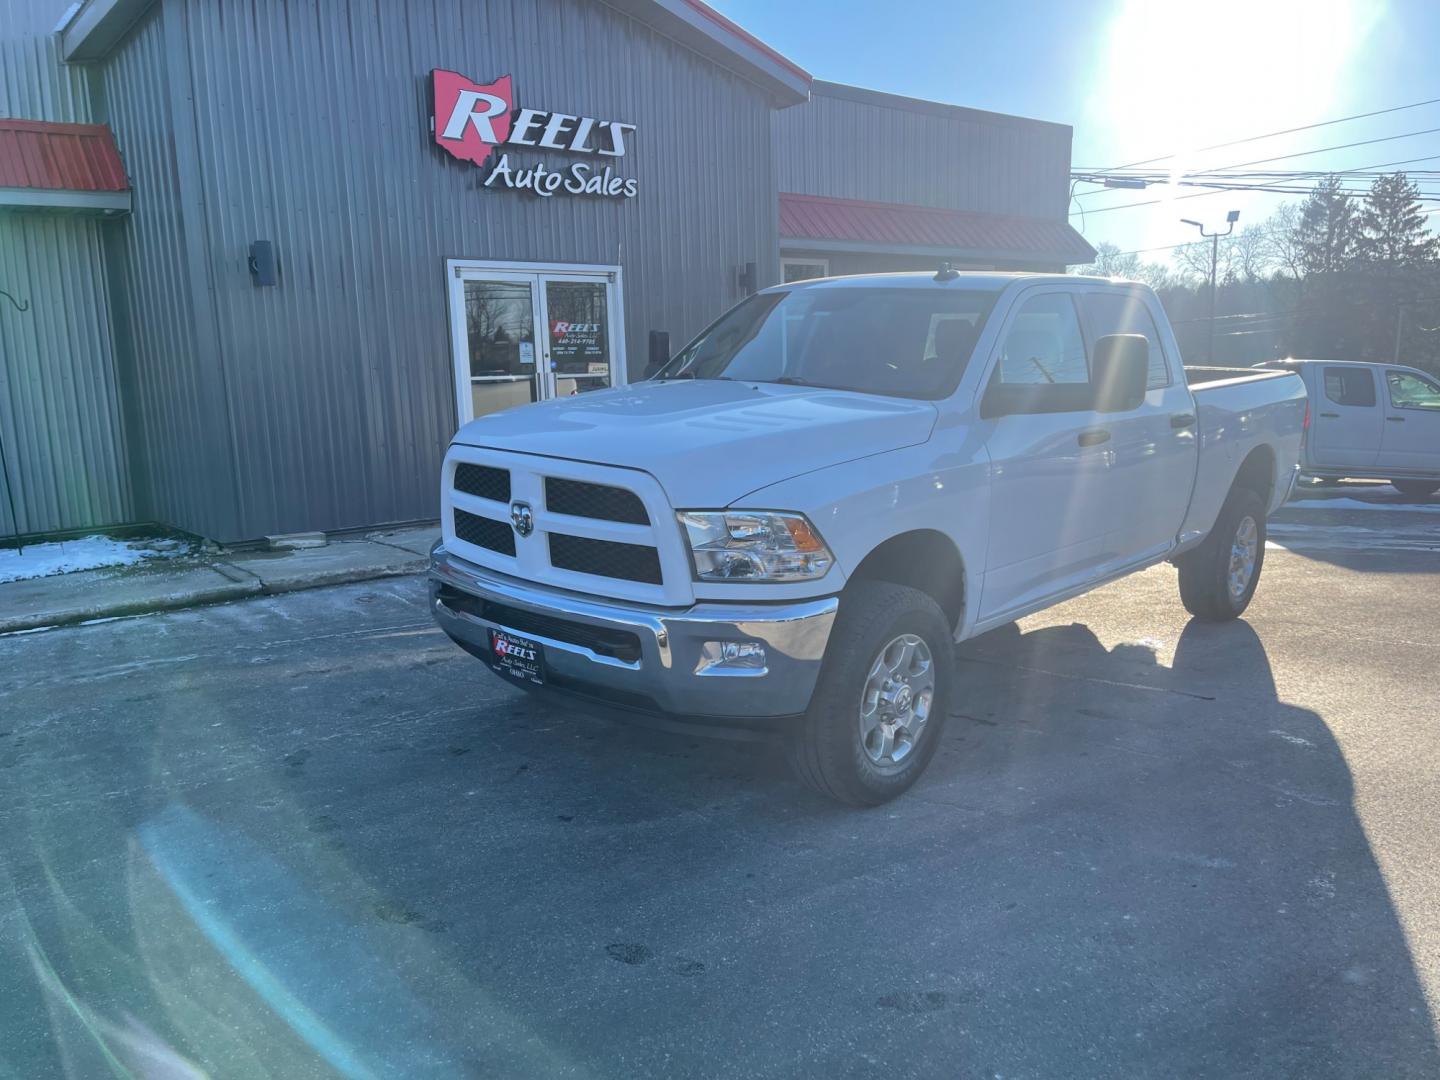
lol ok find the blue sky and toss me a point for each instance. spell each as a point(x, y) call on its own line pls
point(1140, 78)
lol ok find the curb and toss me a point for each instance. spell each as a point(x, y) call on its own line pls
point(246, 588)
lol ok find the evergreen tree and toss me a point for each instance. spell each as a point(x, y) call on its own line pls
point(1392, 227)
point(1326, 233)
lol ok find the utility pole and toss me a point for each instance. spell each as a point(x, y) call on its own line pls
point(1214, 239)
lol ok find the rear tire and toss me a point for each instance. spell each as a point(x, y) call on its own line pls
point(864, 740)
point(1218, 578)
point(1416, 489)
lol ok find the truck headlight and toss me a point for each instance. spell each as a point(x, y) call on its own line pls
point(753, 545)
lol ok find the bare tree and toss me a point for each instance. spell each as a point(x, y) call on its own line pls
point(1110, 261)
point(1282, 242)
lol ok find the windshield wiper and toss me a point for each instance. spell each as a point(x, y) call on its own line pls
point(789, 380)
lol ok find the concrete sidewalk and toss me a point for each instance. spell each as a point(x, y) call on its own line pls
point(164, 585)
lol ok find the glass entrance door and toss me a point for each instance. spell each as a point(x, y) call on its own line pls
point(524, 333)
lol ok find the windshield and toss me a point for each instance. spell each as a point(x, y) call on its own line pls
point(901, 342)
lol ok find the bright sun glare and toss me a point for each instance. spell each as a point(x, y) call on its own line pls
point(1177, 80)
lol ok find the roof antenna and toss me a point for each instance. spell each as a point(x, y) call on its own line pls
point(946, 272)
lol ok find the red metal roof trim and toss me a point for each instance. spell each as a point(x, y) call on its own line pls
point(59, 157)
point(817, 217)
point(702, 8)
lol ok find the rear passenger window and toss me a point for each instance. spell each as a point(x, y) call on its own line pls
point(1350, 386)
point(1044, 344)
point(1126, 313)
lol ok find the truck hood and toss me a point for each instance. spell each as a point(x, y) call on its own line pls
point(708, 441)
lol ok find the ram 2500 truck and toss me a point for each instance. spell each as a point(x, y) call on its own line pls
point(793, 521)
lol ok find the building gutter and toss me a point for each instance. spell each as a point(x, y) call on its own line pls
point(701, 28)
point(800, 245)
point(94, 27)
point(98, 202)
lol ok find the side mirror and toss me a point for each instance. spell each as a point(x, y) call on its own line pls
point(1119, 371)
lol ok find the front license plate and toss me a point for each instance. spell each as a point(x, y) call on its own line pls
point(517, 657)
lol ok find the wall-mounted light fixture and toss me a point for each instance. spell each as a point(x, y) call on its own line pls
point(263, 269)
point(747, 279)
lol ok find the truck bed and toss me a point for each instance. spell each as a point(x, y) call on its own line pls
point(1208, 377)
point(1237, 410)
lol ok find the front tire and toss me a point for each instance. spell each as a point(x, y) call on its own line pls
point(881, 700)
point(1415, 489)
point(1218, 578)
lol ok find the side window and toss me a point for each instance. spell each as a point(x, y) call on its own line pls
point(1126, 313)
point(1350, 386)
point(1409, 391)
point(1044, 345)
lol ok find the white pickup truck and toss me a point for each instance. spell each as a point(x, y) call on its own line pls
point(792, 522)
point(1371, 420)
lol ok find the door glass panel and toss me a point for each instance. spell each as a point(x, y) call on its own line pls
point(500, 326)
point(1350, 386)
point(1044, 344)
point(1412, 392)
point(579, 335)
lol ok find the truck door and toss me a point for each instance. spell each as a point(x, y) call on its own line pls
point(1155, 445)
point(1049, 464)
point(1411, 439)
point(1345, 418)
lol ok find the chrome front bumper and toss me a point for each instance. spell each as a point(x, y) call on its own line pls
point(669, 675)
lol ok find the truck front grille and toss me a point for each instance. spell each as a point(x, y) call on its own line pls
point(482, 481)
point(485, 533)
point(614, 525)
point(605, 558)
point(581, 499)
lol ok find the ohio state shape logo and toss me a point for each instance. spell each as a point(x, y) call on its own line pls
point(472, 119)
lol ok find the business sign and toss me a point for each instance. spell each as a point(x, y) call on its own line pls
point(472, 120)
point(578, 341)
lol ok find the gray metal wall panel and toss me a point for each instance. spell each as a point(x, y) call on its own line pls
point(34, 84)
point(312, 125)
point(180, 457)
point(953, 159)
point(59, 415)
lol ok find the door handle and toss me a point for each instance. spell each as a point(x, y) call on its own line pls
point(1182, 420)
point(1330, 415)
point(1093, 437)
point(1396, 419)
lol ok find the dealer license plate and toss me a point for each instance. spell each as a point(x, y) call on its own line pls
point(517, 657)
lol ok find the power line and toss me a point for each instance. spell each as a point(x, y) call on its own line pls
point(1286, 131)
point(1282, 157)
point(1201, 194)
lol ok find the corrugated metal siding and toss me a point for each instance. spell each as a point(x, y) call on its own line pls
point(58, 397)
point(59, 412)
point(958, 160)
point(174, 409)
point(312, 124)
point(34, 85)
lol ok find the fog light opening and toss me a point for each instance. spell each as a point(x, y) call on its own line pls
point(731, 658)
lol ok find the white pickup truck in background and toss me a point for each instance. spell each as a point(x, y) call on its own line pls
point(1371, 420)
point(790, 525)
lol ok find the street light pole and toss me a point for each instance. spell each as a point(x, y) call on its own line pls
point(1214, 239)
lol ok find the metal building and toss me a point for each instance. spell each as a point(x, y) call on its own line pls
point(347, 227)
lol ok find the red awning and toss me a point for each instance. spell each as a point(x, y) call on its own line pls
point(827, 224)
point(46, 165)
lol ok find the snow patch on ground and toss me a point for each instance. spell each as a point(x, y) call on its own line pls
point(87, 553)
point(1360, 504)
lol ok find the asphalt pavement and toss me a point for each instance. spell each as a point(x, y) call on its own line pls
point(304, 835)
